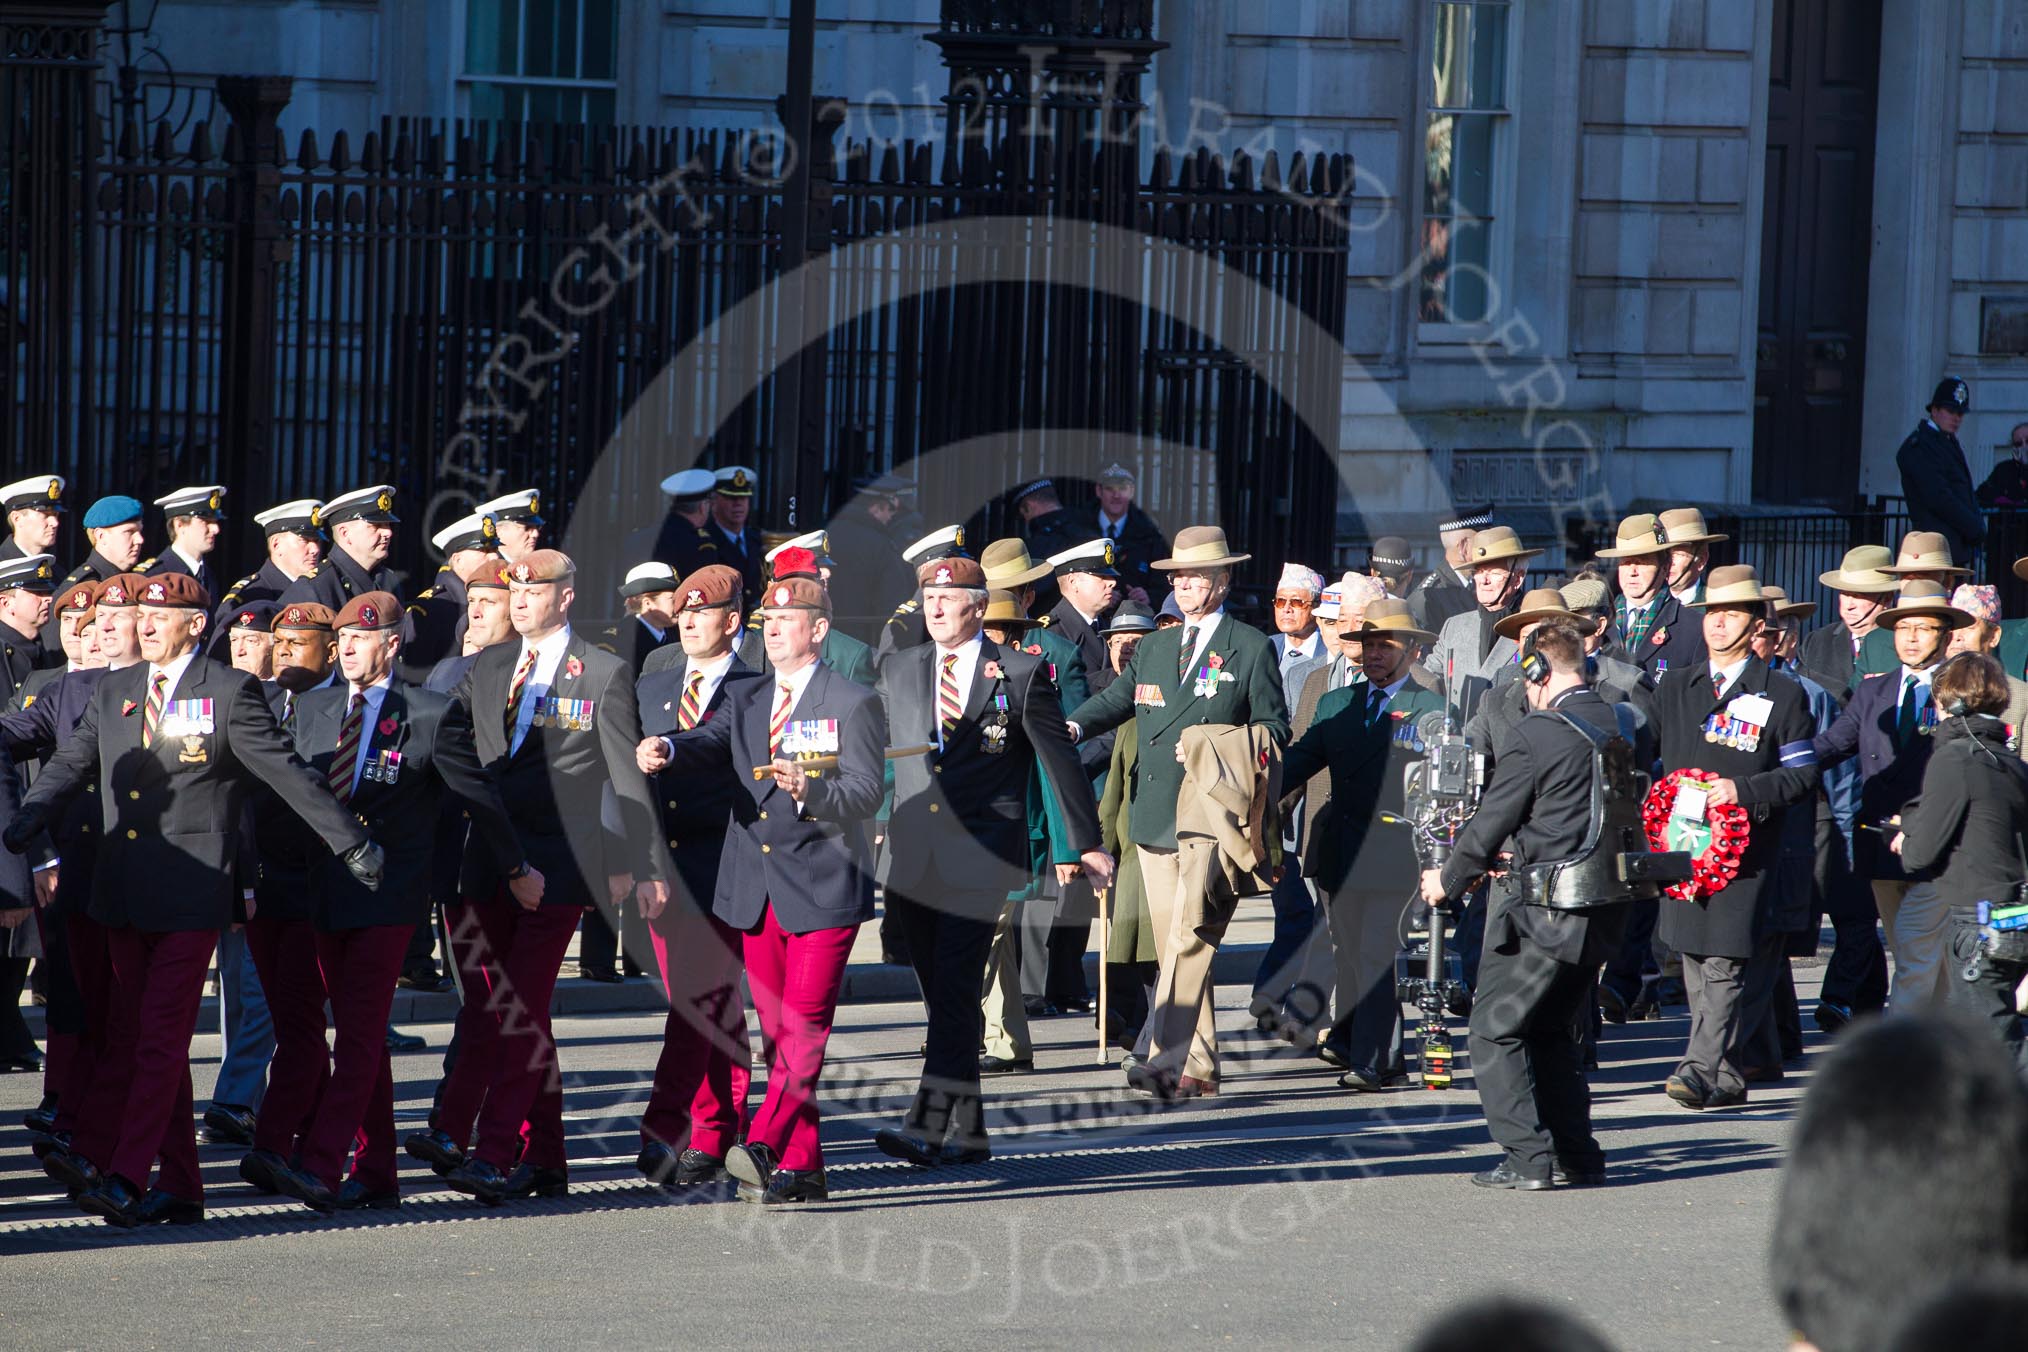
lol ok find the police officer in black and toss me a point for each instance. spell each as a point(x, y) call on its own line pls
point(1532, 1006)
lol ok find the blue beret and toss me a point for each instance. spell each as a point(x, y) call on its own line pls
point(112, 511)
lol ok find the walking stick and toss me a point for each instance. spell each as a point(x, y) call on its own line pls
point(1105, 942)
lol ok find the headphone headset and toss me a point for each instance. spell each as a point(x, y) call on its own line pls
point(1535, 668)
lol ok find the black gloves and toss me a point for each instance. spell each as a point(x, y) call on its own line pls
point(22, 831)
point(367, 862)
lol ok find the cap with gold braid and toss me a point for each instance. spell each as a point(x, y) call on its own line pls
point(42, 492)
point(374, 504)
point(205, 500)
point(35, 573)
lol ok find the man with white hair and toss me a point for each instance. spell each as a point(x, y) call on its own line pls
point(1298, 642)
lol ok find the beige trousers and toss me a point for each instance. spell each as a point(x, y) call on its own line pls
point(1006, 1014)
point(1184, 1038)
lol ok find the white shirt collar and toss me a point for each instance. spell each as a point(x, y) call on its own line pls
point(1731, 673)
point(193, 564)
point(548, 656)
point(376, 694)
point(174, 670)
point(713, 672)
point(797, 683)
point(967, 654)
point(1205, 628)
point(1921, 677)
point(1302, 646)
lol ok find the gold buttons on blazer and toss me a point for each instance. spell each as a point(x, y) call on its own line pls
point(672, 804)
point(133, 834)
point(764, 814)
point(767, 849)
point(134, 794)
point(672, 844)
point(933, 807)
point(936, 769)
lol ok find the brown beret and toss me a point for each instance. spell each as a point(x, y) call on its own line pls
point(83, 596)
point(952, 572)
point(122, 589)
point(487, 572)
point(715, 584)
point(543, 565)
point(175, 591)
point(796, 593)
point(370, 610)
point(303, 615)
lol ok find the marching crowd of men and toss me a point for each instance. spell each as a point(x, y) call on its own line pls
point(720, 782)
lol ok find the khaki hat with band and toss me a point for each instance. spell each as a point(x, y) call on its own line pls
point(1200, 547)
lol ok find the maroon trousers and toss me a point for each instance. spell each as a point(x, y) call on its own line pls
point(285, 954)
point(795, 980)
point(360, 967)
point(158, 988)
point(92, 965)
point(506, 1078)
point(702, 1075)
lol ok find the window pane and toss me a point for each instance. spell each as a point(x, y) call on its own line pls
point(492, 36)
point(600, 107)
point(1468, 56)
point(541, 54)
point(566, 39)
point(601, 39)
point(1455, 286)
point(488, 103)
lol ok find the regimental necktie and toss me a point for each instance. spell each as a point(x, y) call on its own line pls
point(288, 709)
point(1717, 684)
point(520, 683)
point(779, 719)
point(151, 716)
point(1905, 716)
point(343, 760)
point(1634, 623)
point(1375, 703)
point(950, 708)
point(1186, 653)
point(692, 707)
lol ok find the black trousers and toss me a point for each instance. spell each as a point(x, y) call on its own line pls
point(599, 946)
point(16, 1041)
point(1634, 962)
point(949, 938)
point(1731, 1002)
point(1856, 975)
point(1530, 1015)
point(1988, 997)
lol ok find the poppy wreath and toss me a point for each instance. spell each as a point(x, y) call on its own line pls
point(1716, 844)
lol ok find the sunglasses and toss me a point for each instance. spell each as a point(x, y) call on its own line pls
point(1293, 603)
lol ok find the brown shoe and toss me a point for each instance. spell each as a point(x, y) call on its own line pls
point(1189, 1086)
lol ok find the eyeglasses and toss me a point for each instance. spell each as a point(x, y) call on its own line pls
point(1921, 627)
point(1293, 603)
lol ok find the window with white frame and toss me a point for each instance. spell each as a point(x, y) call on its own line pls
point(1466, 158)
point(541, 60)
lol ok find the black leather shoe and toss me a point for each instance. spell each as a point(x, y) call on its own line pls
point(1612, 1005)
point(311, 1192)
point(752, 1164)
point(1147, 1079)
point(166, 1208)
point(604, 975)
point(1333, 1056)
point(788, 1187)
point(114, 1200)
point(480, 1180)
point(1129, 1061)
point(1830, 1017)
point(228, 1124)
point(42, 1146)
point(262, 1169)
point(398, 1041)
point(1721, 1098)
point(436, 1149)
point(1005, 1065)
point(906, 1145)
point(26, 1063)
point(529, 1180)
point(423, 979)
point(73, 1171)
point(1685, 1092)
point(353, 1196)
point(42, 1117)
point(955, 1154)
point(1502, 1175)
point(656, 1162)
point(694, 1167)
point(1576, 1178)
point(1373, 1081)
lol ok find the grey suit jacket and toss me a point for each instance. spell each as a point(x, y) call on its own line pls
point(1467, 655)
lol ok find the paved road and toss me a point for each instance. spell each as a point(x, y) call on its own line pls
point(1283, 1213)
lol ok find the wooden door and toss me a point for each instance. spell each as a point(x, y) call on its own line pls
point(1823, 87)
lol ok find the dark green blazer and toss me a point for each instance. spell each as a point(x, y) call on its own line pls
point(1162, 704)
point(1365, 760)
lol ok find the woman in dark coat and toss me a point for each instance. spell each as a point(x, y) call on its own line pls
point(1971, 825)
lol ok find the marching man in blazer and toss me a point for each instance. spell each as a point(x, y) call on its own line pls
point(702, 1075)
point(806, 746)
point(1731, 716)
point(957, 838)
point(391, 753)
point(1654, 628)
point(555, 721)
point(1211, 670)
point(174, 742)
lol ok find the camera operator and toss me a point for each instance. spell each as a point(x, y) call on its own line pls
point(1532, 1004)
point(1968, 826)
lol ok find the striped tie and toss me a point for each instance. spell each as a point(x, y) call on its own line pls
point(521, 675)
point(1186, 652)
point(151, 716)
point(339, 776)
point(693, 703)
point(949, 707)
point(779, 719)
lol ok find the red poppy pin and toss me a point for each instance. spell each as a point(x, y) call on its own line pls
point(127, 708)
point(388, 727)
point(572, 667)
point(1217, 661)
point(993, 672)
point(1033, 650)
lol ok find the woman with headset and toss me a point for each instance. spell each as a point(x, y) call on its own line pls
point(1970, 825)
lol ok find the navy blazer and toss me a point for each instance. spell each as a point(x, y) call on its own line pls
point(1890, 776)
point(1680, 631)
point(34, 733)
point(811, 867)
point(696, 807)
